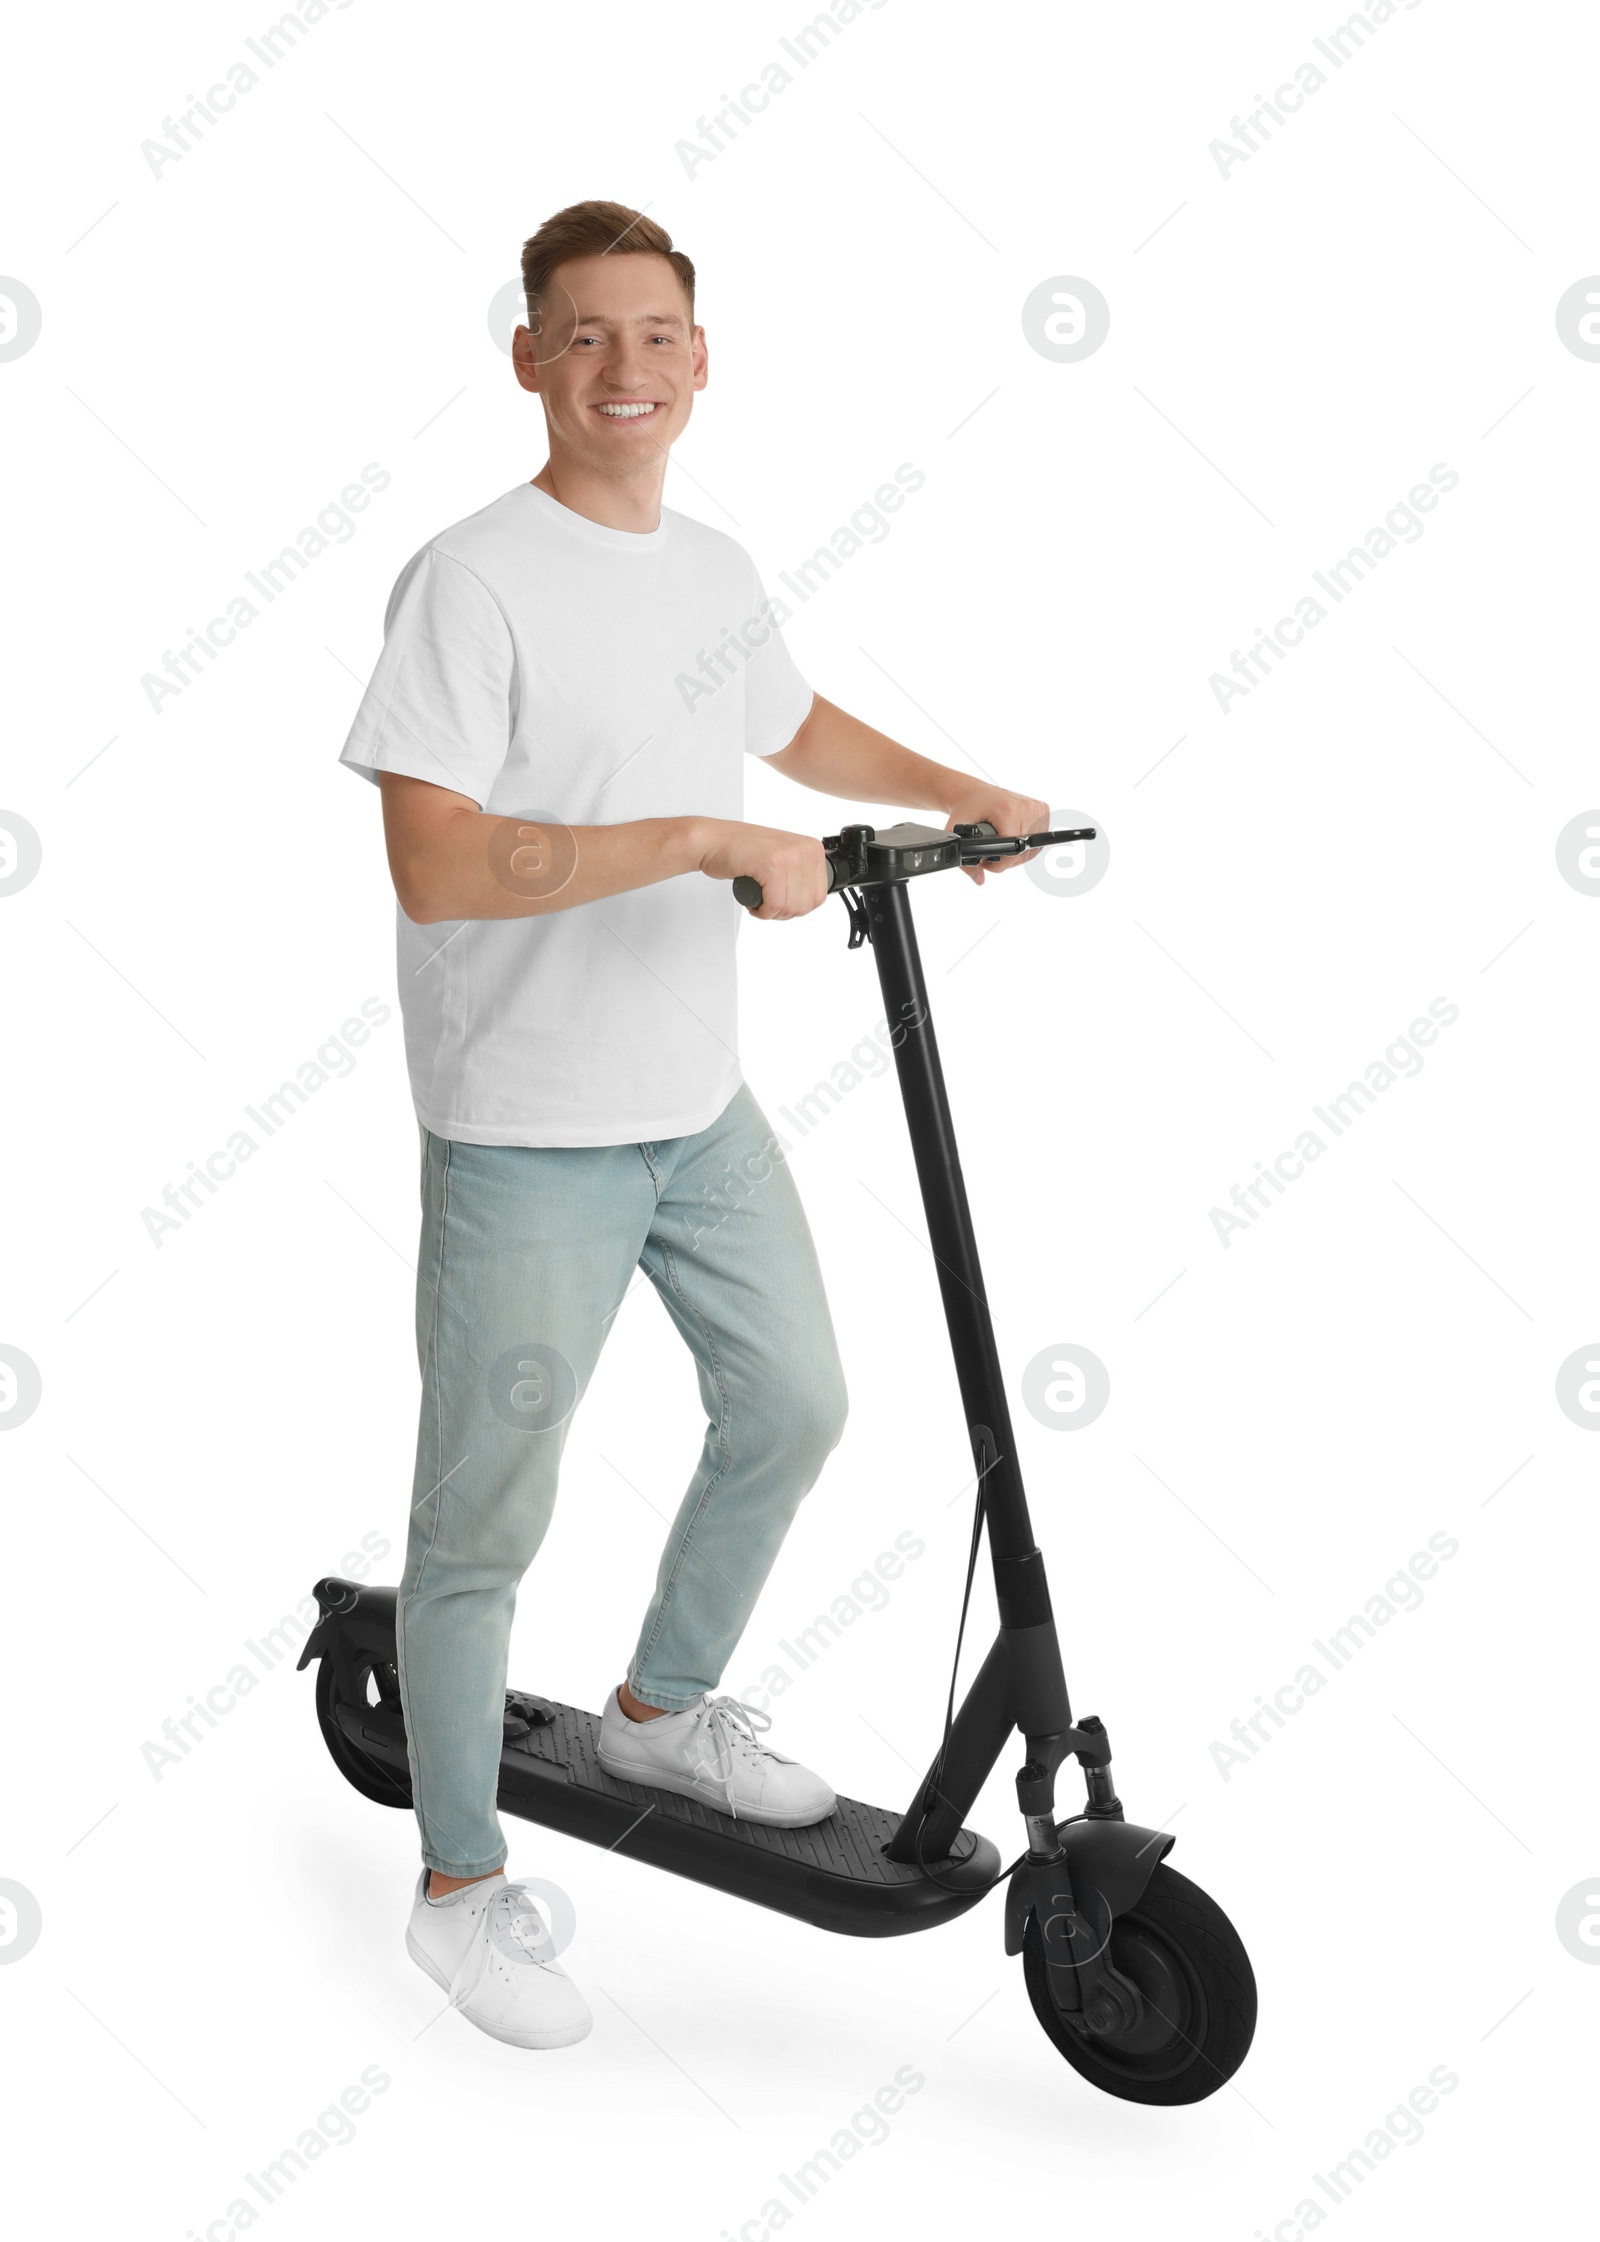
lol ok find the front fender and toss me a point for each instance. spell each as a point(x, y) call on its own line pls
point(1108, 1866)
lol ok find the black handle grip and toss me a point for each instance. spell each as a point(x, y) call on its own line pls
point(748, 891)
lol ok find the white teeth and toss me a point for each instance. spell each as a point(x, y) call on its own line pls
point(626, 412)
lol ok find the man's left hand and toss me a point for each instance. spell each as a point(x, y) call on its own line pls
point(1011, 814)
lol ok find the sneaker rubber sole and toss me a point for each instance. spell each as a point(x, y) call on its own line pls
point(566, 2038)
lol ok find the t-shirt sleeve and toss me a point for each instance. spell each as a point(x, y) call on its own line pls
point(439, 706)
point(777, 698)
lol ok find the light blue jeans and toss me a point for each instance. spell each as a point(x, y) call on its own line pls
point(526, 1255)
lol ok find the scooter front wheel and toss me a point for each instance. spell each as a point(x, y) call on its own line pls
point(354, 1685)
point(1199, 1995)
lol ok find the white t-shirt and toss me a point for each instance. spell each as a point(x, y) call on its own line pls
point(548, 666)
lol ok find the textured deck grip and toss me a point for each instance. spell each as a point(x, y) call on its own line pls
point(848, 1844)
point(834, 1874)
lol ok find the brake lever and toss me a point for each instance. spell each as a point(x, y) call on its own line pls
point(978, 847)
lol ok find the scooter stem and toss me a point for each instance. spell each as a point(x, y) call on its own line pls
point(950, 1231)
point(1022, 1684)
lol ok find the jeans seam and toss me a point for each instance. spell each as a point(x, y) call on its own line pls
point(433, 1351)
point(687, 1538)
point(403, 1612)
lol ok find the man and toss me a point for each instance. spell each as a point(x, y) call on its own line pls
point(570, 680)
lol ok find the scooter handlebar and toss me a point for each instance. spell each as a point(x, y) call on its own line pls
point(979, 844)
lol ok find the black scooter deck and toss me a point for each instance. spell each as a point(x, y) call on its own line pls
point(834, 1874)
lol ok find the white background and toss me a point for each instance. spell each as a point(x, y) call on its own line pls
point(1372, 1362)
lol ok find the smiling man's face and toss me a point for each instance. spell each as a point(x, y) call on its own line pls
point(617, 361)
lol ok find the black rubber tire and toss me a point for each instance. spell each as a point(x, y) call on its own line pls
point(1177, 1945)
point(368, 1776)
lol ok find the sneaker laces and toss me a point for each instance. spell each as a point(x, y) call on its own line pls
point(733, 1726)
point(511, 1927)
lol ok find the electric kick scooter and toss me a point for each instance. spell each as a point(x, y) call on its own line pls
point(1136, 1975)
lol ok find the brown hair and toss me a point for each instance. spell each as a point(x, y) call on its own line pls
point(592, 229)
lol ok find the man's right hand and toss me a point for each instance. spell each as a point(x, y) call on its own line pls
point(792, 868)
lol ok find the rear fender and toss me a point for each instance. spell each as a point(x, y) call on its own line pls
point(356, 1623)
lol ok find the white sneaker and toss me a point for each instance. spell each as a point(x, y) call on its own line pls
point(487, 1947)
point(710, 1752)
